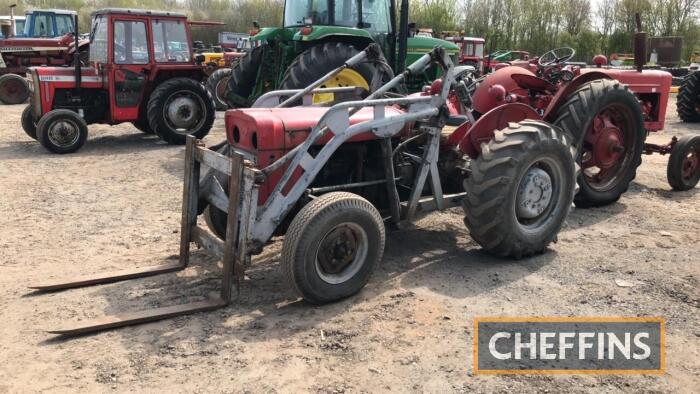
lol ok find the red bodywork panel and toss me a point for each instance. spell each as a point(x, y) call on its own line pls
point(269, 133)
point(20, 53)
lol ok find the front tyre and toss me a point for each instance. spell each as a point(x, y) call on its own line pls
point(180, 107)
point(683, 171)
point(61, 131)
point(332, 247)
point(520, 189)
point(28, 123)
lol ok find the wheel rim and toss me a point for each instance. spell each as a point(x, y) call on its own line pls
point(220, 90)
point(608, 147)
point(341, 253)
point(537, 193)
point(64, 133)
point(12, 90)
point(691, 164)
point(183, 112)
point(347, 77)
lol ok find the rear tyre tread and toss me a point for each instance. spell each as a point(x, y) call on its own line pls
point(687, 100)
point(574, 117)
point(157, 101)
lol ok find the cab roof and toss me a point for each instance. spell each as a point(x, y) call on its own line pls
point(138, 12)
point(53, 11)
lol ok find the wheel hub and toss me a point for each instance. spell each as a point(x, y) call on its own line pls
point(534, 193)
point(338, 250)
point(341, 253)
point(690, 166)
point(607, 142)
point(347, 77)
point(63, 133)
point(182, 112)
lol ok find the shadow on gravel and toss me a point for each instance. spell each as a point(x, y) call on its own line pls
point(445, 261)
point(100, 145)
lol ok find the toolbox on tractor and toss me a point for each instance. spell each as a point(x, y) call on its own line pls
point(141, 70)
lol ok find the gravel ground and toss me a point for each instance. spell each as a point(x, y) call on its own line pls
point(116, 204)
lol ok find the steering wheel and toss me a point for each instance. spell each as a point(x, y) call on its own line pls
point(556, 56)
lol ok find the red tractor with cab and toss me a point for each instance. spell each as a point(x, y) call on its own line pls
point(141, 70)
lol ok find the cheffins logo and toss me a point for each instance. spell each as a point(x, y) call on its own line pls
point(557, 345)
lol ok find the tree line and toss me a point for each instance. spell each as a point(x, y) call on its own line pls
point(589, 26)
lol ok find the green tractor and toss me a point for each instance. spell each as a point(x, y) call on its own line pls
point(319, 36)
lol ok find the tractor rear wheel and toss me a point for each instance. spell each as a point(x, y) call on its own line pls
point(683, 171)
point(321, 59)
point(243, 78)
point(688, 100)
point(332, 247)
point(520, 189)
point(180, 107)
point(143, 126)
point(217, 84)
point(14, 89)
point(606, 121)
point(61, 131)
point(28, 123)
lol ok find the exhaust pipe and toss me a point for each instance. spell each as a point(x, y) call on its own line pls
point(640, 44)
point(76, 56)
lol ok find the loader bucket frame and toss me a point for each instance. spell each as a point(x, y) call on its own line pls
point(249, 226)
point(241, 177)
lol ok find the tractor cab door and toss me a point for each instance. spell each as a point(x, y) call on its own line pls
point(376, 18)
point(128, 71)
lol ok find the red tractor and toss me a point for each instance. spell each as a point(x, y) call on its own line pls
point(141, 70)
point(47, 41)
point(471, 52)
point(608, 111)
point(328, 179)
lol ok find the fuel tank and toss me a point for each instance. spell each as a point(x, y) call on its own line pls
point(486, 97)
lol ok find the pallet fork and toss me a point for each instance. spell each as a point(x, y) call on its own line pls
point(240, 189)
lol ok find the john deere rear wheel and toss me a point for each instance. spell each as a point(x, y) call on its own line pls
point(243, 78)
point(688, 100)
point(319, 60)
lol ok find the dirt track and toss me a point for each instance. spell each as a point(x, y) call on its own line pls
point(116, 204)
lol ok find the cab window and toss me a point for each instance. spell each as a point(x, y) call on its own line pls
point(170, 43)
point(130, 43)
point(42, 26)
point(98, 41)
point(64, 24)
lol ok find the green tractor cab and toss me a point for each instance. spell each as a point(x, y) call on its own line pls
point(318, 36)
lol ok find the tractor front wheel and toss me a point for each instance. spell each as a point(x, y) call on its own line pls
point(61, 131)
point(520, 189)
point(683, 171)
point(14, 89)
point(605, 118)
point(28, 123)
point(217, 84)
point(688, 100)
point(321, 59)
point(332, 247)
point(180, 107)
